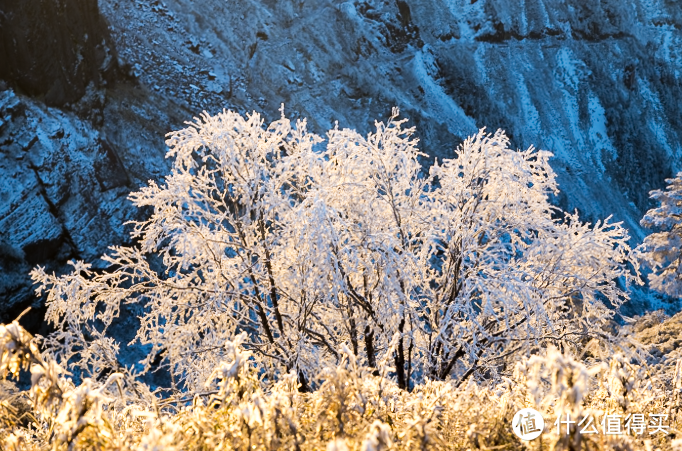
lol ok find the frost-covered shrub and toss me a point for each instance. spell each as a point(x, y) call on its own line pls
point(434, 273)
point(661, 251)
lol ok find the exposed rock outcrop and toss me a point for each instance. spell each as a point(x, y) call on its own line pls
point(61, 194)
point(55, 49)
point(598, 84)
point(65, 184)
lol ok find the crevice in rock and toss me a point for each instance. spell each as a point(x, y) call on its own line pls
point(502, 35)
point(52, 208)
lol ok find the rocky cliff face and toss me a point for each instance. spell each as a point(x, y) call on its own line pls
point(66, 172)
point(597, 83)
point(65, 183)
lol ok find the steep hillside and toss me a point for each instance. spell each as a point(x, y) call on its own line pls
point(599, 86)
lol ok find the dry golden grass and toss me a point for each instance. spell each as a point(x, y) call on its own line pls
point(351, 409)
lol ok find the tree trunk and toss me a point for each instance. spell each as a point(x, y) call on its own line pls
point(369, 348)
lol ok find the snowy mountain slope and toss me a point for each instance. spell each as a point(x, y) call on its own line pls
point(65, 184)
point(596, 83)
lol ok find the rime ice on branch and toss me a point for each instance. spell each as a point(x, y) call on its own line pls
point(306, 248)
point(661, 251)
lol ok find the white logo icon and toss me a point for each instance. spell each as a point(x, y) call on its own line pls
point(528, 424)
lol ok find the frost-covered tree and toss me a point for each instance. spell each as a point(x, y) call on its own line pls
point(307, 247)
point(661, 251)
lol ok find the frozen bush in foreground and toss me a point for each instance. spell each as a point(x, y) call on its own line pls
point(353, 409)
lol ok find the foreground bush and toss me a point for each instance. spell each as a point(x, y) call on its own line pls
point(352, 408)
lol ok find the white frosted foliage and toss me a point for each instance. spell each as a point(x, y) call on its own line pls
point(305, 248)
point(662, 250)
